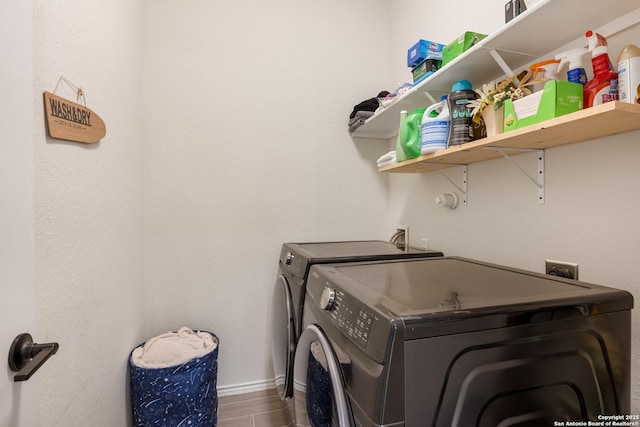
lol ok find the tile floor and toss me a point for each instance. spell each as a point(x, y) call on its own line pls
point(256, 409)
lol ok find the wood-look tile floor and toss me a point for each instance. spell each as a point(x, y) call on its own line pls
point(256, 409)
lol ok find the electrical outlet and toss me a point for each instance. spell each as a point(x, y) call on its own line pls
point(400, 237)
point(403, 233)
point(424, 243)
point(567, 270)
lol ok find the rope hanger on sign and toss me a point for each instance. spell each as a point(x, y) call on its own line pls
point(77, 89)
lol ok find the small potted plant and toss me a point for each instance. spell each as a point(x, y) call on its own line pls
point(488, 106)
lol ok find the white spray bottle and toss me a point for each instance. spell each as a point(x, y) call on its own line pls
point(544, 71)
point(573, 57)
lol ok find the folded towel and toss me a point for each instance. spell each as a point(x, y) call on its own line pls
point(391, 155)
point(173, 349)
point(359, 119)
point(387, 163)
point(387, 159)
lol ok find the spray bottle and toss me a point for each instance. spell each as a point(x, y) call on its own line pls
point(544, 71)
point(573, 57)
point(604, 85)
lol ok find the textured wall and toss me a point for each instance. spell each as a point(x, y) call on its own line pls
point(88, 212)
point(246, 146)
point(590, 213)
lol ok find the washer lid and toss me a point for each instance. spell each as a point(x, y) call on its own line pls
point(436, 289)
point(297, 257)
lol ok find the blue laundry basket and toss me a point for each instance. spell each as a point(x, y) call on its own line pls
point(183, 395)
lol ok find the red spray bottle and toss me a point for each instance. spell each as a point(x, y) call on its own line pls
point(604, 85)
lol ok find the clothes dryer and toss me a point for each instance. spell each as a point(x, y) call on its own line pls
point(449, 341)
point(288, 299)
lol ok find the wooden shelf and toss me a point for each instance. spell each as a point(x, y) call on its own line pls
point(602, 120)
point(519, 43)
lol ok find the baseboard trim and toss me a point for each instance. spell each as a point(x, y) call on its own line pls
point(229, 390)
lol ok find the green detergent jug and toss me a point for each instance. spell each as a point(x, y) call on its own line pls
point(409, 141)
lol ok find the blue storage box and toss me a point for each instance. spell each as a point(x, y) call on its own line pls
point(179, 395)
point(423, 50)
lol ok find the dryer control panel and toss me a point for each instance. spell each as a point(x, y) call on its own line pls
point(337, 309)
point(350, 316)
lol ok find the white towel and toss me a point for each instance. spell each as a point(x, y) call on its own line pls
point(387, 159)
point(387, 163)
point(173, 349)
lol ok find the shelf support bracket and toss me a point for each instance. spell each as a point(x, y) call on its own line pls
point(464, 188)
point(431, 98)
point(501, 63)
point(538, 180)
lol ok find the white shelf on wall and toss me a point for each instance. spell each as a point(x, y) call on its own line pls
point(545, 27)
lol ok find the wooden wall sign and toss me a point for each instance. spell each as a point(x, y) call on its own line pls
point(71, 121)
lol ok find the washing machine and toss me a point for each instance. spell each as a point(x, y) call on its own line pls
point(450, 341)
point(289, 290)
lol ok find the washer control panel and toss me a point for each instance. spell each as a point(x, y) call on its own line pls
point(350, 316)
point(328, 299)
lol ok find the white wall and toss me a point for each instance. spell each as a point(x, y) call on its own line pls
point(246, 146)
point(88, 212)
point(590, 214)
point(233, 118)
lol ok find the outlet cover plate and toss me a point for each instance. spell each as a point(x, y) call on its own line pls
point(567, 270)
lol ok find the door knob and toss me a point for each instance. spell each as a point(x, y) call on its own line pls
point(26, 357)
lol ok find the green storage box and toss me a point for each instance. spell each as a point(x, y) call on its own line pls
point(425, 69)
point(459, 45)
point(556, 99)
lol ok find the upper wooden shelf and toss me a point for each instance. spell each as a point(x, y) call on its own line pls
point(542, 29)
point(602, 120)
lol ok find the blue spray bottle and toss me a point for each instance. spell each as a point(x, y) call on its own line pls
point(573, 57)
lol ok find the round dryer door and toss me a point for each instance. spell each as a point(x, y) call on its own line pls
point(283, 332)
point(319, 393)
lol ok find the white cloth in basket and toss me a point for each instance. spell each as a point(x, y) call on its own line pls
point(173, 349)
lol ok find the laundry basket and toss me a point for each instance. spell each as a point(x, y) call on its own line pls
point(174, 388)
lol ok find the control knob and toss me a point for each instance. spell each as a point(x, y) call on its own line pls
point(328, 298)
point(289, 258)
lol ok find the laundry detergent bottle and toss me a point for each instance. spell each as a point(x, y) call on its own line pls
point(460, 128)
point(435, 128)
point(409, 135)
point(629, 74)
point(604, 85)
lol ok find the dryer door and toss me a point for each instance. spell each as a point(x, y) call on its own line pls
point(319, 393)
point(283, 332)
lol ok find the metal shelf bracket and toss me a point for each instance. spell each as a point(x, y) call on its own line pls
point(501, 62)
point(538, 180)
point(429, 96)
point(464, 188)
